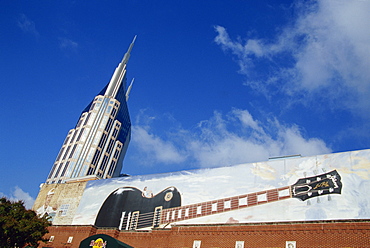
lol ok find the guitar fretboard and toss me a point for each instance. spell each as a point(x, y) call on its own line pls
point(223, 205)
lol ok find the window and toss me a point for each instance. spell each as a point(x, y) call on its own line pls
point(74, 135)
point(52, 171)
point(96, 157)
point(51, 239)
point(64, 170)
point(79, 122)
point(90, 171)
point(63, 209)
point(109, 125)
point(57, 173)
point(111, 168)
point(290, 244)
point(97, 105)
point(115, 132)
point(70, 239)
point(73, 150)
point(116, 153)
point(91, 119)
point(110, 146)
point(78, 151)
point(102, 141)
point(114, 112)
point(65, 154)
point(108, 110)
point(66, 140)
point(60, 154)
point(97, 138)
point(80, 134)
point(104, 163)
point(239, 244)
point(196, 243)
point(87, 118)
point(92, 106)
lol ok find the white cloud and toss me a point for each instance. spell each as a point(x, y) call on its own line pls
point(19, 195)
point(247, 119)
point(65, 43)
point(249, 141)
point(226, 140)
point(26, 25)
point(154, 147)
point(324, 54)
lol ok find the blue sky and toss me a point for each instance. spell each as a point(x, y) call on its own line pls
point(216, 82)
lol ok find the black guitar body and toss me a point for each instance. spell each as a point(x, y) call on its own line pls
point(128, 209)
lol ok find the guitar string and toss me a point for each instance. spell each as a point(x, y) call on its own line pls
point(173, 213)
point(206, 208)
point(148, 217)
point(193, 208)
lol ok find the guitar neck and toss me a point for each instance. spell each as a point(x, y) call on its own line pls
point(224, 205)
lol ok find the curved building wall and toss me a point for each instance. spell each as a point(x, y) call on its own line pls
point(318, 188)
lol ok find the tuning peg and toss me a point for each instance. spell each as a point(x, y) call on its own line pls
point(308, 202)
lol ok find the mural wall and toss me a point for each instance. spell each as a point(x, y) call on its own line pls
point(325, 187)
point(59, 201)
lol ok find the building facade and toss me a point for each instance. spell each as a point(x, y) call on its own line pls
point(95, 148)
point(308, 234)
point(317, 201)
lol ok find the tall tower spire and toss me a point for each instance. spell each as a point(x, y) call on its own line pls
point(96, 147)
point(119, 73)
point(129, 89)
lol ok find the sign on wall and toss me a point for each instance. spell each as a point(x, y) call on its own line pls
point(325, 187)
point(102, 241)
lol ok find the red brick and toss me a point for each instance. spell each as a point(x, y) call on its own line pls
point(306, 234)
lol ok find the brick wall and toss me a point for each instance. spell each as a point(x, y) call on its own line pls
point(306, 234)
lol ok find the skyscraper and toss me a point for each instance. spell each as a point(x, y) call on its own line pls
point(95, 148)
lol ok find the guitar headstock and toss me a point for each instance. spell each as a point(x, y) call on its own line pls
point(328, 183)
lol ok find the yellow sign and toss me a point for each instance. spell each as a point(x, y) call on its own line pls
point(98, 243)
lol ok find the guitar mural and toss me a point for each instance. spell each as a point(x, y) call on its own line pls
point(128, 208)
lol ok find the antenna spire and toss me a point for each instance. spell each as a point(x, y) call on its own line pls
point(127, 54)
point(129, 89)
point(119, 73)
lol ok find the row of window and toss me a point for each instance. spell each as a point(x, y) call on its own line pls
point(71, 151)
point(94, 169)
point(69, 240)
point(198, 243)
point(240, 244)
